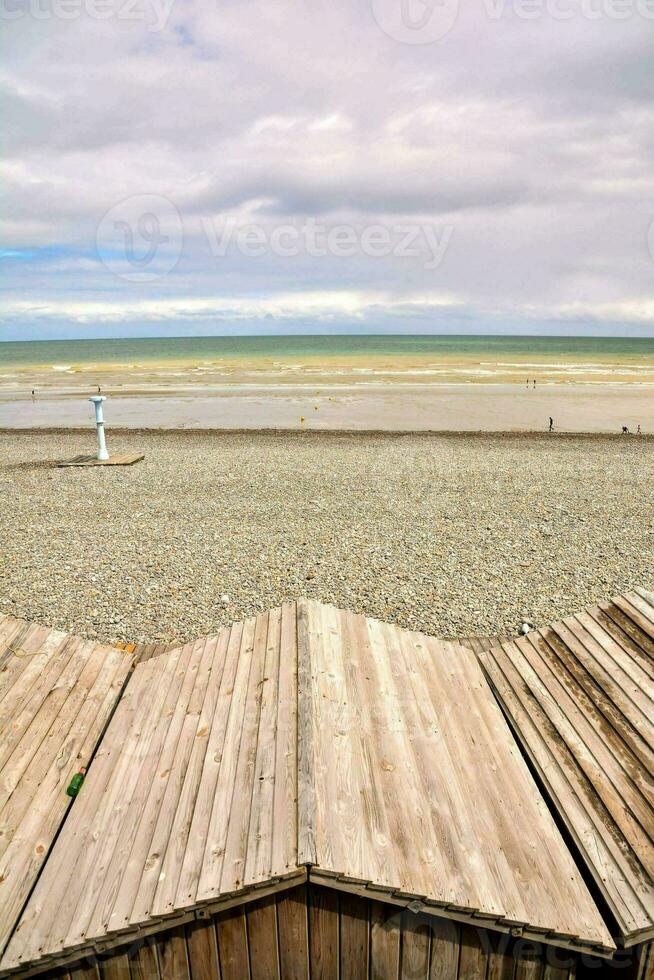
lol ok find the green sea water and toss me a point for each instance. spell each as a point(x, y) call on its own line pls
point(149, 363)
point(19, 354)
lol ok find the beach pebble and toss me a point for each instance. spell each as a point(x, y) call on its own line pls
point(441, 534)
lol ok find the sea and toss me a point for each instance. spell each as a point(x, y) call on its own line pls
point(333, 359)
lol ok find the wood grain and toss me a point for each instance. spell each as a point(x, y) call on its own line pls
point(580, 698)
point(306, 742)
point(56, 697)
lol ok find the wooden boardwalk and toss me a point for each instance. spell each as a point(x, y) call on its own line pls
point(126, 459)
point(580, 696)
point(478, 644)
point(305, 740)
point(57, 693)
point(144, 651)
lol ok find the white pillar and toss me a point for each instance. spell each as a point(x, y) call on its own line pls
point(99, 424)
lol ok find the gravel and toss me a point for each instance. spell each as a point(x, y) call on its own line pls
point(454, 535)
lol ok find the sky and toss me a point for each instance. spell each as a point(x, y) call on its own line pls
point(266, 166)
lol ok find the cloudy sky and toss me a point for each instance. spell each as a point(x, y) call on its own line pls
point(177, 166)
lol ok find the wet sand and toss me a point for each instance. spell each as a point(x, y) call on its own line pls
point(363, 407)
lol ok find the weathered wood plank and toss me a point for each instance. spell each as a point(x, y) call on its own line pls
point(284, 857)
point(529, 964)
point(215, 842)
point(473, 957)
point(646, 961)
point(323, 933)
point(190, 754)
point(116, 967)
point(228, 661)
point(374, 755)
point(445, 947)
point(144, 961)
point(173, 956)
point(233, 945)
point(385, 938)
point(580, 696)
point(306, 790)
point(163, 807)
point(259, 834)
point(292, 924)
point(91, 972)
point(202, 946)
point(354, 937)
point(124, 459)
point(415, 947)
point(58, 693)
point(236, 837)
point(262, 938)
point(125, 787)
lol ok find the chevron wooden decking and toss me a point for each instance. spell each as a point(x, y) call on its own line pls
point(306, 742)
point(580, 697)
point(56, 695)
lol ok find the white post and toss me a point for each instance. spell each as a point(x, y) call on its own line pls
point(99, 424)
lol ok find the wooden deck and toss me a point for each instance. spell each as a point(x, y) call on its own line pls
point(478, 644)
point(126, 459)
point(144, 651)
point(580, 697)
point(407, 758)
point(307, 737)
point(56, 695)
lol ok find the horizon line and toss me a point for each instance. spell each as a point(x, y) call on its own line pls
point(295, 336)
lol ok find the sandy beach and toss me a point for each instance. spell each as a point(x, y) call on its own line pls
point(398, 407)
point(454, 535)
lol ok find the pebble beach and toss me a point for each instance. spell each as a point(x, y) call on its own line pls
point(455, 535)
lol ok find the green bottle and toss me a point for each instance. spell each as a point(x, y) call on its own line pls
point(76, 782)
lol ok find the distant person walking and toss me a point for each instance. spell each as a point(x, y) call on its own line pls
point(33, 392)
point(638, 432)
point(551, 428)
point(625, 430)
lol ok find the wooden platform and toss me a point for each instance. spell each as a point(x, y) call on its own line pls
point(307, 738)
point(580, 697)
point(126, 459)
point(478, 643)
point(144, 651)
point(56, 695)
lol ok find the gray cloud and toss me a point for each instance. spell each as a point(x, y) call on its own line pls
point(532, 139)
